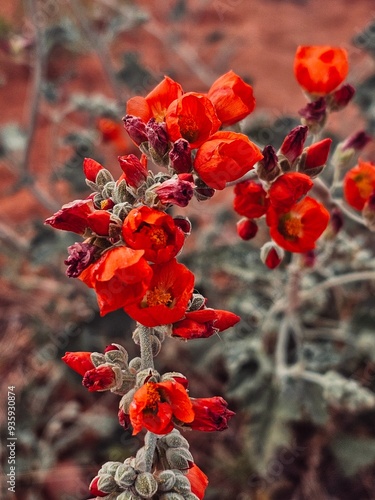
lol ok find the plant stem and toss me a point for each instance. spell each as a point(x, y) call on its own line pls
point(146, 347)
point(150, 445)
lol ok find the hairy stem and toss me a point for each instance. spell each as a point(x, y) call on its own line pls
point(146, 347)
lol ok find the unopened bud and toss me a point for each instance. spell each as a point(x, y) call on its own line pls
point(136, 129)
point(356, 141)
point(293, 143)
point(336, 220)
point(268, 168)
point(105, 484)
point(102, 378)
point(183, 223)
point(271, 255)
point(91, 168)
point(182, 485)
point(166, 480)
point(175, 440)
point(341, 97)
point(315, 157)
point(180, 156)
point(135, 172)
point(247, 229)
point(158, 140)
point(146, 485)
point(125, 476)
point(179, 458)
point(314, 115)
point(203, 192)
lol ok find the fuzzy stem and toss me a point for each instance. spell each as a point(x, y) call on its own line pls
point(150, 446)
point(146, 347)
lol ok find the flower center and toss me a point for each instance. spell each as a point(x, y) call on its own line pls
point(188, 128)
point(153, 396)
point(364, 185)
point(157, 236)
point(292, 227)
point(158, 297)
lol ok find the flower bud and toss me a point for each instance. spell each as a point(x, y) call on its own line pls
point(103, 484)
point(146, 485)
point(314, 115)
point(293, 143)
point(356, 141)
point(94, 489)
point(336, 220)
point(136, 129)
point(313, 162)
point(271, 255)
point(268, 168)
point(172, 496)
point(180, 156)
point(175, 440)
point(175, 191)
point(203, 192)
point(341, 97)
point(166, 480)
point(103, 177)
point(183, 223)
point(182, 485)
point(81, 255)
point(135, 172)
point(125, 476)
point(102, 378)
point(91, 169)
point(158, 139)
point(179, 458)
point(247, 229)
point(124, 419)
point(78, 361)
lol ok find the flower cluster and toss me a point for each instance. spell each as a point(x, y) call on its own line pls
point(131, 243)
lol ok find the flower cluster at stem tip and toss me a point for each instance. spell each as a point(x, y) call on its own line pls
point(129, 253)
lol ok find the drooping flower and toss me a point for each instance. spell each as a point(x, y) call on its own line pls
point(156, 103)
point(177, 190)
point(204, 323)
point(210, 414)
point(297, 229)
point(80, 362)
point(232, 98)
point(72, 216)
point(268, 168)
point(288, 189)
point(119, 277)
point(192, 117)
point(101, 378)
point(136, 129)
point(180, 156)
point(158, 138)
point(167, 295)
point(359, 184)
point(250, 199)
point(341, 97)
point(153, 231)
point(225, 157)
point(320, 69)
point(155, 405)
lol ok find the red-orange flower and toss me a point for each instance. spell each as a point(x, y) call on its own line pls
point(101, 378)
point(91, 168)
point(156, 103)
point(167, 296)
point(154, 232)
point(120, 277)
point(80, 362)
point(320, 69)
point(193, 118)
point(298, 229)
point(155, 405)
point(210, 414)
point(225, 157)
point(359, 184)
point(289, 188)
point(198, 481)
point(72, 216)
point(250, 199)
point(232, 97)
point(204, 323)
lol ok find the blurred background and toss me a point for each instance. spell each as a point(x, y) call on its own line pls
point(67, 68)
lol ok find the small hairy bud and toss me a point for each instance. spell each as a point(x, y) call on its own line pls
point(175, 440)
point(182, 485)
point(146, 485)
point(125, 476)
point(179, 458)
point(166, 480)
